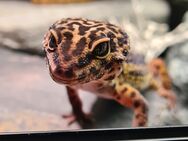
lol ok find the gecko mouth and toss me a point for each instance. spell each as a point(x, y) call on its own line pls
point(59, 79)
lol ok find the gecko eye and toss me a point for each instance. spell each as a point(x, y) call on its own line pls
point(52, 41)
point(101, 50)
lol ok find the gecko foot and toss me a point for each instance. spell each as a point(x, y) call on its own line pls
point(85, 120)
point(170, 96)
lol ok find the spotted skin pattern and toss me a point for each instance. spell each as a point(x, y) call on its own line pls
point(94, 56)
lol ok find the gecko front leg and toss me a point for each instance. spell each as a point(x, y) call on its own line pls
point(128, 96)
point(78, 115)
point(162, 81)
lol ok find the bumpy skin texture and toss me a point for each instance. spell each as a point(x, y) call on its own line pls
point(94, 56)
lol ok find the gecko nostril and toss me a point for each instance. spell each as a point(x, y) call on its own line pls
point(64, 73)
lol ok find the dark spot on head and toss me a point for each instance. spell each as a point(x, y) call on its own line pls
point(113, 29)
point(58, 70)
point(68, 73)
point(102, 34)
point(111, 35)
point(123, 33)
point(108, 65)
point(94, 71)
point(109, 24)
point(101, 28)
point(66, 46)
point(92, 36)
point(97, 25)
point(113, 46)
point(74, 22)
point(82, 76)
point(71, 28)
point(80, 46)
point(82, 29)
point(61, 28)
point(82, 62)
point(67, 57)
point(63, 22)
point(86, 23)
point(99, 75)
point(122, 41)
point(118, 60)
point(103, 62)
point(68, 35)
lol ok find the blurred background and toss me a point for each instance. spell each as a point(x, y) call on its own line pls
point(31, 101)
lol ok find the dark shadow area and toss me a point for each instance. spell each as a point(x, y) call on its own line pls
point(110, 113)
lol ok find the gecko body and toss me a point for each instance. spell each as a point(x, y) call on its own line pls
point(94, 56)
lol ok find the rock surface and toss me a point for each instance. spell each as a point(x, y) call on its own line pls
point(177, 59)
point(178, 66)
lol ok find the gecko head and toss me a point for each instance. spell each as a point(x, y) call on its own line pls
point(80, 51)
